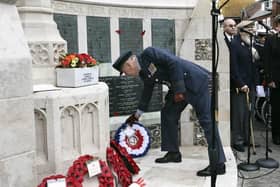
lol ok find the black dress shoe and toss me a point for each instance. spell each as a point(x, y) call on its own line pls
point(221, 169)
point(238, 147)
point(170, 157)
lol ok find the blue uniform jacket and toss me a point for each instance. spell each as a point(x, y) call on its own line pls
point(160, 66)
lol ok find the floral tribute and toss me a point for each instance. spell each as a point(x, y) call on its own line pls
point(119, 161)
point(126, 158)
point(75, 174)
point(73, 60)
point(123, 165)
point(124, 176)
point(136, 145)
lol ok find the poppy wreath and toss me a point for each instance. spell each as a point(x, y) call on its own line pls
point(79, 169)
point(117, 164)
point(75, 174)
point(136, 145)
point(106, 179)
point(126, 158)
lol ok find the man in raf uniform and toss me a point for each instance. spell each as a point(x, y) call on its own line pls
point(187, 82)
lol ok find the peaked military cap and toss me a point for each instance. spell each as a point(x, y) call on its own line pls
point(121, 60)
point(244, 24)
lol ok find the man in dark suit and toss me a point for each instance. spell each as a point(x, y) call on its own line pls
point(230, 30)
point(272, 71)
point(242, 85)
point(188, 84)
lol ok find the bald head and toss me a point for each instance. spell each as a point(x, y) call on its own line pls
point(230, 26)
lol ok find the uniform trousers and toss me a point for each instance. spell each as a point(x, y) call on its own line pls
point(170, 115)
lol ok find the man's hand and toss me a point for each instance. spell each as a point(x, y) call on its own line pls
point(272, 84)
point(179, 97)
point(244, 88)
point(131, 119)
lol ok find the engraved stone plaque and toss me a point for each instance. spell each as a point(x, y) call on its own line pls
point(163, 34)
point(125, 93)
point(131, 38)
point(98, 38)
point(67, 26)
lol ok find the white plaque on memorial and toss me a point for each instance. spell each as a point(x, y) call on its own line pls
point(56, 183)
point(93, 167)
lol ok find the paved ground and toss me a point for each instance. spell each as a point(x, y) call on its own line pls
point(263, 177)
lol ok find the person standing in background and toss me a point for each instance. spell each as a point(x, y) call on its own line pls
point(230, 30)
point(242, 84)
point(272, 72)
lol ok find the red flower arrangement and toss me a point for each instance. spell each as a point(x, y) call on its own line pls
point(124, 176)
point(127, 158)
point(79, 169)
point(73, 60)
point(75, 174)
point(106, 179)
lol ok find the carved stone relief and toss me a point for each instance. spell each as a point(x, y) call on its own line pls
point(46, 53)
point(40, 53)
point(97, 10)
point(155, 134)
point(90, 129)
point(203, 49)
point(58, 49)
point(69, 132)
point(41, 136)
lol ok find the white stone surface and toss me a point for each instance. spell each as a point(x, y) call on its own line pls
point(18, 170)
point(187, 127)
point(13, 50)
point(143, 3)
point(70, 122)
point(16, 126)
point(115, 39)
point(183, 174)
point(147, 37)
point(200, 27)
point(17, 141)
point(82, 33)
point(43, 37)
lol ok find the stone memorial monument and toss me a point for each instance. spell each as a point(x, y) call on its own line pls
point(17, 130)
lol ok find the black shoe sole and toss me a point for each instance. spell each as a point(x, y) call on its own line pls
point(208, 175)
point(163, 162)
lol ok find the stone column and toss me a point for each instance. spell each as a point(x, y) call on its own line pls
point(43, 38)
point(197, 47)
point(17, 135)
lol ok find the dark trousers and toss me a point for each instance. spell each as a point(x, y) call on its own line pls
point(275, 117)
point(239, 117)
point(170, 115)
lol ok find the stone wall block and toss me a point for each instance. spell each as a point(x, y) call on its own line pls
point(18, 170)
point(16, 126)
